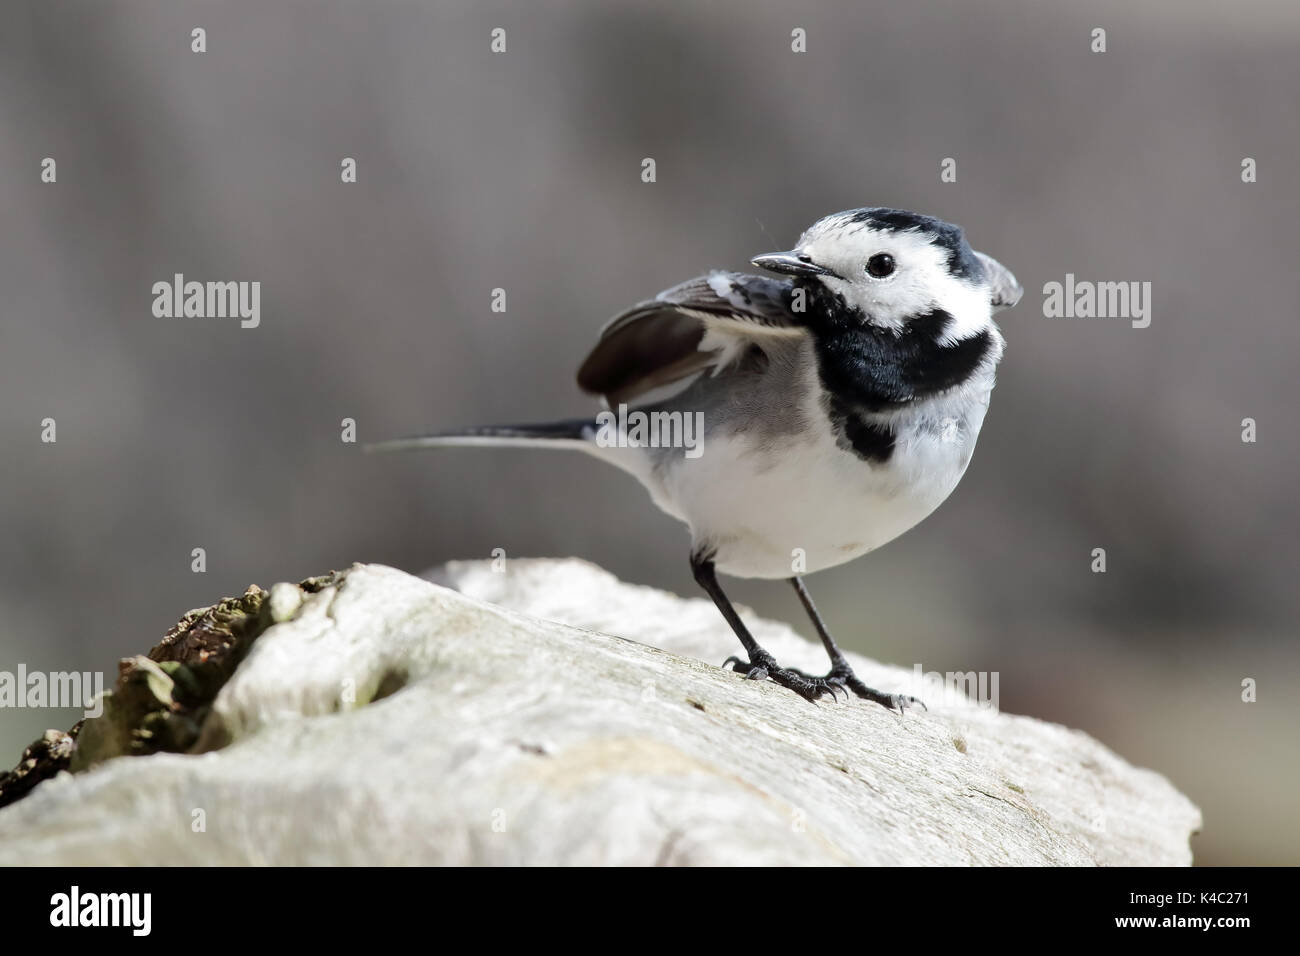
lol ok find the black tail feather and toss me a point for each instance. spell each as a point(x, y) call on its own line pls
point(574, 429)
point(569, 428)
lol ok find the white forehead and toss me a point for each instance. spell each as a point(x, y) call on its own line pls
point(922, 282)
point(833, 243)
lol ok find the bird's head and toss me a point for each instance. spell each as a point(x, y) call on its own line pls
point(889, 266)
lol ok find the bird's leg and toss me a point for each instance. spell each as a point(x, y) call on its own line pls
point(761, 664)
point(841, 674)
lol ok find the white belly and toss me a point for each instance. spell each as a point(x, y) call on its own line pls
point(816, 505)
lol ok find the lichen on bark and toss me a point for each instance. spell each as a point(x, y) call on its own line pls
point(159, 701)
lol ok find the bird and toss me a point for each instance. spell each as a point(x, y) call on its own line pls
point(838, 399)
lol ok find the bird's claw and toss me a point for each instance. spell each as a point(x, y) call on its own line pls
point(832, 682)
point(763, 666)
point(751, 670)
point(841, 677)
point(898, 702)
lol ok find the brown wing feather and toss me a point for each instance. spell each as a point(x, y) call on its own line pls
point(657, 343)
point(650, 348)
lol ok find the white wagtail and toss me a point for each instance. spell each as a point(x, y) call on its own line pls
point(840, 405)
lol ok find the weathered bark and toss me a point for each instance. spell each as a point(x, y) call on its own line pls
point(374, 717)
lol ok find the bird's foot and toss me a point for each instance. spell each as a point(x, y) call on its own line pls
point(841, 677)
point(763, 666)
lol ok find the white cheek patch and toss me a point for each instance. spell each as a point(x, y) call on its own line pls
point(868, 301)
point(922, 284)
point(969, 307)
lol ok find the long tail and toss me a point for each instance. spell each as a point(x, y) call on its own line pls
point(576, 433)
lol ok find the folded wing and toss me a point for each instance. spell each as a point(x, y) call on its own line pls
point(699, 326)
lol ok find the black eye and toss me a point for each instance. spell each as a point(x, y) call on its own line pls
point(880, 265)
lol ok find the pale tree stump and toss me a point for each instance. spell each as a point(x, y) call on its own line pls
point(372, 717)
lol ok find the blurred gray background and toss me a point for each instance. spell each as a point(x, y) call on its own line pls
point(521, 170)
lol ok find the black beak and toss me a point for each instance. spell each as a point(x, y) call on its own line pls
point(791, 264)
